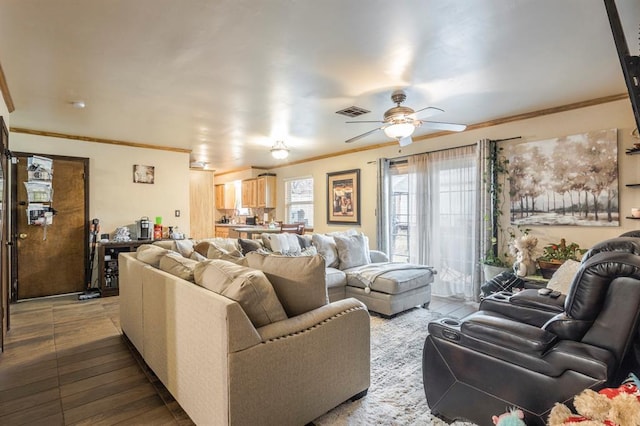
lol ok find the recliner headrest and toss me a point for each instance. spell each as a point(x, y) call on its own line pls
point(618, 244)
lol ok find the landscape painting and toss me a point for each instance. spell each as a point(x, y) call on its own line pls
point(570, 180)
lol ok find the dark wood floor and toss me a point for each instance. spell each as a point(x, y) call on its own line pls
point(66, 363)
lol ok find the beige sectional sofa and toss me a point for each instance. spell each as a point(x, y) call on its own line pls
point(222, 368)
point(354, 270)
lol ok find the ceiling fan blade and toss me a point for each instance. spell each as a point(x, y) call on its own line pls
point(439, 125)
point(405, 141)
point(373, 121)
point(355, 138)
point(430, 111)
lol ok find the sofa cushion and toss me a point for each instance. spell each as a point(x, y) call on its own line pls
point(249, 245)
point(304, 240)
point(326, 247)
point(299, 282)
point(284, 243)
point(178, 265)
point(184, 247)
point(228, 244)
point(150, 254)
point(225, 252)
point(390, 278)
point(335, 277)
point(249, 287)
point(352, 250)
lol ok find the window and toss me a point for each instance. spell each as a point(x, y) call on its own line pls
point(399, 212)
point(433, 216)
point(299, 201)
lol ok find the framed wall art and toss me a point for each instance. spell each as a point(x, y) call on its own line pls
point(143, 174)
point(343, 197)
point(568, 180)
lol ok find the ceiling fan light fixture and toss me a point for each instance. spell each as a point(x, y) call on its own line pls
point(399, 130)
point(279, 150)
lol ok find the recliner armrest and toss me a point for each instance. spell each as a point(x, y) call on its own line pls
point(525, 306)
point(508, 334)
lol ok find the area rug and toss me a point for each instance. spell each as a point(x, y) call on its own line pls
point(396, 394)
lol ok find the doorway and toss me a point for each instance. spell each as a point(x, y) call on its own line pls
point(50, 258)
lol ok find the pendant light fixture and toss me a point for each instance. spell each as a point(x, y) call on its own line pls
point(279, 150)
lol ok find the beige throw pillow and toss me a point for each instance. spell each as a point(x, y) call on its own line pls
point(150, 254)
point(178, 265)
point(299, 282)
point(563, 277)
point(352, 251)
point(249, 287)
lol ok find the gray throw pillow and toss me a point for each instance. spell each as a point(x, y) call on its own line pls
point(249, 287)
point(299, 282)
point(326, 247)
point(352, 251)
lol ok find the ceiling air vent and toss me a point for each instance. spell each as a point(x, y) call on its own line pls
point(353, 111)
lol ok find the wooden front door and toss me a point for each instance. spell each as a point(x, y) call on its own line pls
point(52, 259)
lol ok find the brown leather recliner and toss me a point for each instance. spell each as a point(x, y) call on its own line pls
point(493, 359)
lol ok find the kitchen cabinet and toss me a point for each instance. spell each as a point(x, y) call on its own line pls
point(266, 192)
point(225, 196)
point(249, 193)
point(222, 231)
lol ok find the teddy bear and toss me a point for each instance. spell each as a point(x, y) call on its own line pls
point(522, 248)
point(610, 407)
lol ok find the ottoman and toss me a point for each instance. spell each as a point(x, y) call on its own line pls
point(389, 288)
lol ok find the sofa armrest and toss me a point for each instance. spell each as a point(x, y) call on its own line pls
point(309, 319)
point(378, 256)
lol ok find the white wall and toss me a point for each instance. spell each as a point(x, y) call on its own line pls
point(114, 198)
point(606, 116)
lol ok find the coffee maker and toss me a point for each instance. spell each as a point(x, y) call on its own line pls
point(144, 228)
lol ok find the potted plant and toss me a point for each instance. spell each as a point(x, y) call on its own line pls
point(554, 255)
point(496, 260)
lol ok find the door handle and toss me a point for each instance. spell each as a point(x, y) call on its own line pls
point(22, 236)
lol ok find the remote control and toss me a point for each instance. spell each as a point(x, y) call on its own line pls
point(555, 294)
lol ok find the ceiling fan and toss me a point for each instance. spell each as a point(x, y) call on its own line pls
point(400, 121)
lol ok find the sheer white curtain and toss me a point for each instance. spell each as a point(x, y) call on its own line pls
point(444, 218)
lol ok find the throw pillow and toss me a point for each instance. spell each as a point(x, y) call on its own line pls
point(299, 282)
point(304, 241)
point(563, 277)
point(249, 287)
point(248, 245)
point(326, 247)
point(150, 254)
point(197, 256)
point(217, 252)
point(352, 251)
point(285, 243)
point(178, 265)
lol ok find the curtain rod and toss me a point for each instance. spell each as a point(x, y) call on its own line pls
point(446, 149)
point(428, 152)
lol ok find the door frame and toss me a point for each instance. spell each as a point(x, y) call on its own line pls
point(15, 211)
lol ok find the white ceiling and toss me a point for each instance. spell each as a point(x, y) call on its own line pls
point(227, 78)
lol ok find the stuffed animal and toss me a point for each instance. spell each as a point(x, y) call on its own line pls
point(513, 417)
point(610, 406)
point(522, 248)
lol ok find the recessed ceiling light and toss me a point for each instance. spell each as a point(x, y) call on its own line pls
point(78, 104)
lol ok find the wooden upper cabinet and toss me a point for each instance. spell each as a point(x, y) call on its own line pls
point(225, 196)
point(219, 192)
point(249, 193)
point(266, 192)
